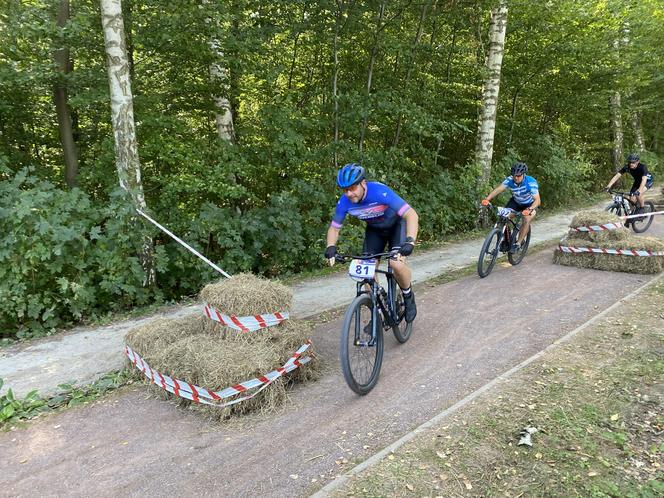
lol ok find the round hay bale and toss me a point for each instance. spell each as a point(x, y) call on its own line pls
point(247, 294)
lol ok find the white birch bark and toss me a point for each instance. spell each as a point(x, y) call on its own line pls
point(617, 130)
point(487, 118)
point(224, 115)
point(122, 116)
point(638, 131)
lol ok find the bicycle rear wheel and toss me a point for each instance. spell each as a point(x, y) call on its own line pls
point(360, 362)
point(516, 258)
point(640, 225)
point(402, 329)
point(489, 253)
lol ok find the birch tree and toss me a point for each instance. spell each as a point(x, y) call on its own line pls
point(122, 116)
point(487, 119)
point(224, 115)
point(61, 99)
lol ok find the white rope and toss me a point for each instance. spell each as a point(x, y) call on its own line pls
point(165, 230)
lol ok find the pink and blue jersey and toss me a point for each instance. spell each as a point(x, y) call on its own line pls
point(380, 208)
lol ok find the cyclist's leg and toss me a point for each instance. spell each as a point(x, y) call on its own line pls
point(526, 221)
point(402, 271)
point(636, 199)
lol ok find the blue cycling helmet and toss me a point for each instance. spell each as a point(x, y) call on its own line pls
point(633, 157)
point(351, 174)
point(519, 168)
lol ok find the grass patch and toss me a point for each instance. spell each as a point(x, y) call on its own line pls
point(596, 402)
point(14, 412)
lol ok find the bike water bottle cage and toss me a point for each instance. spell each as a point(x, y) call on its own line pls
point(351, 174)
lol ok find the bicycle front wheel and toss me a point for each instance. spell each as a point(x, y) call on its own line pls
point(516, 258)
point(360, 358)
point(489, 253)
point(640, 225)
point(614, 209)
point(402, 329)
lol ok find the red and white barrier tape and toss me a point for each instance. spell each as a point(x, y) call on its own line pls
point(205, 396)
point(599, 250)
point(245, 323)
point(599, 228)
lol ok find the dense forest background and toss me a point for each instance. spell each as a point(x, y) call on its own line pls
point(310, 85)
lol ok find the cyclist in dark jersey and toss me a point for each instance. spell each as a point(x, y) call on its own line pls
point(390, 221)
point(643, 180)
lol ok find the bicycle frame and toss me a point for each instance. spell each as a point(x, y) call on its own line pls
point(507, 225)
point(388, 308)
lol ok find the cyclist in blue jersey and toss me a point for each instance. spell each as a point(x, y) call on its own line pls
point(390, 221)
point(643, 180)
point(525, 198)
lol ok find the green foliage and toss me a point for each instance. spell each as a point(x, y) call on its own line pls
point(62, 258)
point(263, 203)
point(13, 410)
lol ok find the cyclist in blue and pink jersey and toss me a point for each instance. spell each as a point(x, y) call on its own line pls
point(525, 198)
point(390, 221)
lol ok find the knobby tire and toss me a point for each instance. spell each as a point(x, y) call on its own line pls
point(360, 364)
point(489, 253)
point(516, 258)
point(641, 225)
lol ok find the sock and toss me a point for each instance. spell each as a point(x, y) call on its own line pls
point(406, 291)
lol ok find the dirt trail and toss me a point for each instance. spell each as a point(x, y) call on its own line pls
point(467, 332)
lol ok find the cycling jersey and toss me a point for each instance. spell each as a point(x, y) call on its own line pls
point(524, 192)
point(380, 208)
point(638, 173)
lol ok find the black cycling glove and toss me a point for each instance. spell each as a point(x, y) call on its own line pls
point(330, 252)
point(407, 247)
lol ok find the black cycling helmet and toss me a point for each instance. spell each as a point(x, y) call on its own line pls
point(633, 157)
point(519, 168)
point(351, 174)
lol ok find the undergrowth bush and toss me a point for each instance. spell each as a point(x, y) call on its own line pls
point(62, 258)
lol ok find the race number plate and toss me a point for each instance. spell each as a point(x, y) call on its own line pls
point(503, 211)
point(362, 269)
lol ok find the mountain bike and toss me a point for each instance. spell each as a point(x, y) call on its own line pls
point(501, 238)
point(623, 205)
point(373, 310)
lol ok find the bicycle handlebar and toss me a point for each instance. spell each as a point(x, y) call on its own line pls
point(624, 194)
point(342, 258)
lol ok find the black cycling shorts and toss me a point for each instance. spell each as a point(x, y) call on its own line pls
point(375, 239)
point(637, 184)
point(512, 204)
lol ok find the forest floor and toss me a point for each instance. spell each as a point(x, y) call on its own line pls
point(479, 368)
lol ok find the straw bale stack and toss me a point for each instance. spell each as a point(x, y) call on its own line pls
point(207, 354)
point(621, 238)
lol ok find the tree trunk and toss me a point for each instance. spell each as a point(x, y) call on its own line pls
point(409, 72)
point(617, 130)
point(224, 115)
point(372, 60)
point(487, 119)
point(513, 116)
point(122, 116)
point(638, 131)
point(335, 94)
point(61, 101)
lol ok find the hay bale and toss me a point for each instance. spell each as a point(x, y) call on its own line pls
point(613, 262)
point(246, 294)
point(156, 335)
point(593, 217)
point(216, 358)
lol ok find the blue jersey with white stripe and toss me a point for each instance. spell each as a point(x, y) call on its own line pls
point(523, 193)
point(380, 208)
